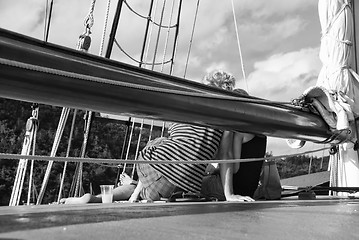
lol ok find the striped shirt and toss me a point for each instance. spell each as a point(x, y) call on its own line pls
point(185, 142)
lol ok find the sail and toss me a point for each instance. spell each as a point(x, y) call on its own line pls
point(337, 53)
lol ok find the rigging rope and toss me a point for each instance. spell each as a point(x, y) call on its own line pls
point(7, 156)
point(158, 35)
point(89, 19)
point(58, 135)
point(175, 44)
point(105, 27)
point(67, 155)
point(30, 139)
point(148, 17)
point(129, 144)
point(83, 44)
point(143, 61)
point(48, 14)
point(191, 39)
point(149, 37)
point(167, 36)
point(35, 116)
point(239, 45)
point(137, 61)
point(28, 143)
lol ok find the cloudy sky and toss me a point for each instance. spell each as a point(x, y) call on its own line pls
point(279, 40)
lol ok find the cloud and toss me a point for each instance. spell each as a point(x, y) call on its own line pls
point(267, 9)
point(285, 76)
point(22, 16)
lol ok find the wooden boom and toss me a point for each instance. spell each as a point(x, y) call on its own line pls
point(35, 71)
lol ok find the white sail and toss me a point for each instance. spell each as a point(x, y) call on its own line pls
point(337, 53)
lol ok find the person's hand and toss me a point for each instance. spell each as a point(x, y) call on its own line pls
point(239, 198)
point(126, 180)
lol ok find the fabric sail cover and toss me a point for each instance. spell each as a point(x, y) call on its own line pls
point(337, 75)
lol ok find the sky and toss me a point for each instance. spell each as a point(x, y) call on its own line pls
point(279, 40)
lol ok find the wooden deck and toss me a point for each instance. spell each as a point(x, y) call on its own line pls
point(323, 218)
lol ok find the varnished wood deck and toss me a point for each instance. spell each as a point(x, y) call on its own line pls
point(323, 218)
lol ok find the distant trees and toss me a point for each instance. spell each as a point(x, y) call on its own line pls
point(105, 141)
point(299, 165)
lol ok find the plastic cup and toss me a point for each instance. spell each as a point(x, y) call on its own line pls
point(107, 193)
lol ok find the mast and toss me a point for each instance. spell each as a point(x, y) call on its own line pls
point(114, 29)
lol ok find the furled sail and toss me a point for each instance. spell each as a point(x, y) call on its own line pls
point(337, 75)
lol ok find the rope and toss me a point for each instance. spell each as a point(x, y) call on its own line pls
point(21, 171)
point(59, 132)
point(330, 24)
point(67, 155)
point(29, 141)
point(175, 40)
point(48, 14)
point(145, 37)
point(137, 147)
point(89, 19)
point(137, 61)
point(167, 36)
point(84, 41)
point(87, 126)
point(129, 145)
point(239, 45)
point(151, 130)
point(105, 27)
point(150, 35)
point(191, 39)
point(35, 114)
point(158, 35)
point(118, 161)
point(148, 17)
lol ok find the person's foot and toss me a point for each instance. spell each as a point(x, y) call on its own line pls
point(125, 179)
point(77, 200)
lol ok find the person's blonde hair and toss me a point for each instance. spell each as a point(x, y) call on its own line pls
point(220, 79)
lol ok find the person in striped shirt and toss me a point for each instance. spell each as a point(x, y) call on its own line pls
point(185, 142)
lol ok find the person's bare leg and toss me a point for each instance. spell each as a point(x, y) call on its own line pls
point(123, 192)
point(86, 198)
point(136, 192)
point(120, 193)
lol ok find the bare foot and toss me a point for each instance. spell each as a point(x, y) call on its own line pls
point(86, 198)
point(125, 179)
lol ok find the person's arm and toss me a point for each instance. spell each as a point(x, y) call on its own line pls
point(226, 169)
point(237, 149)
point(238, 140)
point(231, 143)
point(136, 193)
point(226, 173)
